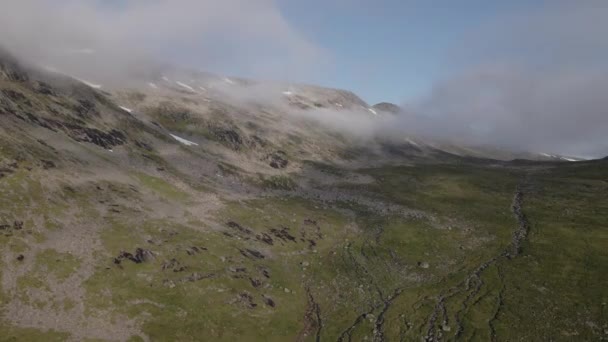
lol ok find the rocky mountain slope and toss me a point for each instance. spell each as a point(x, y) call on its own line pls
point(193, 207)
point(388, 108)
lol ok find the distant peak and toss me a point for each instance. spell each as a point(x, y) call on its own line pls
point(387, 107)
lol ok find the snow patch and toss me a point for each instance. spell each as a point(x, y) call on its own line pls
point(184, 141)
point(412, 142)
point(229, 81)
point(184, 85)
point(153, 85)
point(201, 88)
point(372, 111)
point(569, 159)
point(126, 109)
point(287, 93)
point(166, 79)
point(92, 85)
point(57, 71)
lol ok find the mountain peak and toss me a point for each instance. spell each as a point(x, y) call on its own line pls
point(388, 107)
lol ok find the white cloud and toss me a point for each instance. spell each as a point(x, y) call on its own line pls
point(249, 36)
point(535, 81)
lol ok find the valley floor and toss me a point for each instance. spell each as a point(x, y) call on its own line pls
point(438, 252)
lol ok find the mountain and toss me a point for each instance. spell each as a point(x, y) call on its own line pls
point(387, 108)
point(192, 207)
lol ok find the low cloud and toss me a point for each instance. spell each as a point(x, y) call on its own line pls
point(534, 82)
point(107, 38)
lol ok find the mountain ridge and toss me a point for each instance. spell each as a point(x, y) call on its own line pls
point(169, 212)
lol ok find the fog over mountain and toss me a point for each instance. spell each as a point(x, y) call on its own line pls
point(251, 37)
point(531, 81)
point(197, 170)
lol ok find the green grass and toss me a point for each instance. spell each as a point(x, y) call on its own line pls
point(564, 275)
point(207, 307)
point(61, 265)
point(162, 187)
point(358, 257)
point(281, 182)
point(191, 309)
point(13, 334)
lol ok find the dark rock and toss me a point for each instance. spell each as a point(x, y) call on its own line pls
point(246, 300)
point(4, 172)
point(191, 251)
point(255, 282)
point(283, 234)
point(47, 164)
point(238, 227)
point(141, 255)
point(79, 132)
point(248, 253)
point(269, 301)
point(255, 254)
point(173, 265)
point(278, 160)
point(310, 222)
point(85, 109)
point(143, 145)
point(257, 142)
point(43, 88)
point(106, 140)
point(423, 264)
point(238, 269)
point(18, 225)
point(91, 135)
point(16, 96)
point(265, 238)
point(20, 257)
point(228, 137)
point(265, 273)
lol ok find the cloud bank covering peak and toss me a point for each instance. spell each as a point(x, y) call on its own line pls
point(531, 80)
point(243, 36)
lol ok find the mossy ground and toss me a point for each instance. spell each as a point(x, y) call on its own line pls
point(214, 281)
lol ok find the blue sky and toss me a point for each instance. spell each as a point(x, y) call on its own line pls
point(383, 50)
point(391, 50)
